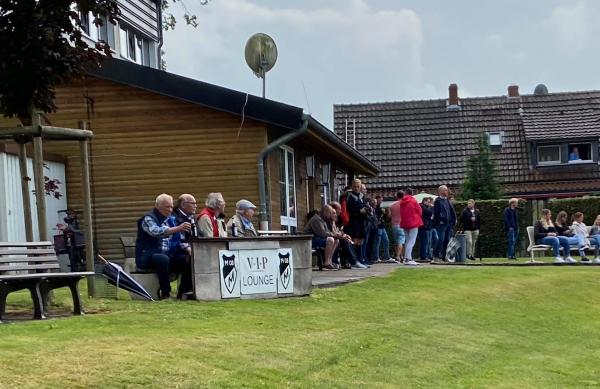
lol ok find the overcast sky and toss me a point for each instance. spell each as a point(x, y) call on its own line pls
point(350, 51)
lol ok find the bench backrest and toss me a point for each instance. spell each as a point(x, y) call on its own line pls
point(30, 257)
point(530, 236)
point(128, 243)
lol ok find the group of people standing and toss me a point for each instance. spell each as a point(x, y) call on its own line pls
point(163, 235)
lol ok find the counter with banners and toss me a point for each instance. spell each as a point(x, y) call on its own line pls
point(247, 268)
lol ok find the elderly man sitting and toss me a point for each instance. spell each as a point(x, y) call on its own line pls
point(158, 245)
point(240, 224)
point(323, 236)
point(210, 220)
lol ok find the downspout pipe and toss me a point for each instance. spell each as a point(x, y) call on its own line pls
point(262, 156)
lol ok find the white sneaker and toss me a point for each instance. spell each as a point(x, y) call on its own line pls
point(570, 259)
point(559, 260)
point(596, 260)
point(358, 265)
point(411, 263)
point(390, 260)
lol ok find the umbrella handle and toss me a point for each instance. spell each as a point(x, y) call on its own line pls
point(102, 259)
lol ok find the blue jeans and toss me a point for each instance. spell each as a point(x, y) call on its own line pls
point(381, 238)
point(424, 243)
point(443, 232)
point(554, 242)
point(434, 242)
point(595, 241)
point(576, 240)
point(511, 234)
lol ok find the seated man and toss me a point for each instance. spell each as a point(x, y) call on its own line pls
point(240, 224)
point(158, 245)
point(323, 236)
point(346, 249)
point(185, 212)
point(210, 221)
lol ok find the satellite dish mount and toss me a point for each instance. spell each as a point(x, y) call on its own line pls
point(261, 55)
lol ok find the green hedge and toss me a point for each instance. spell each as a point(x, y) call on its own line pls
point(590, 206)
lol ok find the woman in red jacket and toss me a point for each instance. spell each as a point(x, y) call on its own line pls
point(410, 212)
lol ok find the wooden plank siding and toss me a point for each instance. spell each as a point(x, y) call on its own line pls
point(145, 144)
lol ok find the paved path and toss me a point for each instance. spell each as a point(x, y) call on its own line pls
point(330, 278)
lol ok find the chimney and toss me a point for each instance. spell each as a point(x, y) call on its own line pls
point(513, 91)
point(453, 103)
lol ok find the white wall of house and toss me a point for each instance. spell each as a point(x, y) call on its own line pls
point(12, 222)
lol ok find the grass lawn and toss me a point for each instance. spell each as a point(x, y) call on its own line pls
point(430, 327)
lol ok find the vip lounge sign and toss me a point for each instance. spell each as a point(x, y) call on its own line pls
point(245, 272)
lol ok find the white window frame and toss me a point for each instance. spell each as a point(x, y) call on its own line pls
point(570, 145)
point(288, 221)
point(540, 162)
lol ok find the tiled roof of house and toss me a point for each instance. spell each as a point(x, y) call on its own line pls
point(422, 145)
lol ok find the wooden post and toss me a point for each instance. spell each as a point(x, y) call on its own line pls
point(38, 172)
point(87, 213)
point(25, 191)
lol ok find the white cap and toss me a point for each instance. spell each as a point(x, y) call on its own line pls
point(244, 204)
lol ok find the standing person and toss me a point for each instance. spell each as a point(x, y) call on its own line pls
point(565, 233)
point(410, 214)
point(240, 224)
point(358, 217)
point(381, 238)
point(444, 220)
point(398, 232)
point(511, 226)
point(209, 219)
point(471, 221)
point(370, 227)
point(425, 229)
point(158, 244)
point(346, 250)
point(544, 232)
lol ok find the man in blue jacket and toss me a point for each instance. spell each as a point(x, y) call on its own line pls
point(159, 245)
point(511, 226)
point(444, 220)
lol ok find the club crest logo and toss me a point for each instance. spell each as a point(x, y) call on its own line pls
point(229, 272)
point(285, 271)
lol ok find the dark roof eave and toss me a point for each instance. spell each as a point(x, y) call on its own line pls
point(369, 167)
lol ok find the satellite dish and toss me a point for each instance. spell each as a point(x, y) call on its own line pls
point(261, 55)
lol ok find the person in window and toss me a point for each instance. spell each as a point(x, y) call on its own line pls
point(242, 220)
point(544, 232)
point(471, 221)
point(210, 220)
point(574, 154)
point(511, 226)
point(565, 233)
point(158, 245)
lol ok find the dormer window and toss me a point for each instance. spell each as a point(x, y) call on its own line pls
point(580, 152)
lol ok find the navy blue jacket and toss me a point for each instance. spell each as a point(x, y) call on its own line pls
point(443, 212)
point(146, 244)
point(510, 219)
point(426, 215)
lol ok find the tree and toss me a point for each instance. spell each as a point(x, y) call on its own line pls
point(41, 46)
point(481, 181)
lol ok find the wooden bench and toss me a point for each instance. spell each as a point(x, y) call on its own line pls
point(533, 247)
point(34, 266)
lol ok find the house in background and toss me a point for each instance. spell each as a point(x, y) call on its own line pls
point(423, 144)
point(158, 132)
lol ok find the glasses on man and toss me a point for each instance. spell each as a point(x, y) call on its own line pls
point(190, 202)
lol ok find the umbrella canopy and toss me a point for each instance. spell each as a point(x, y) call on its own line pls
point(419, 197)
point(121, 279)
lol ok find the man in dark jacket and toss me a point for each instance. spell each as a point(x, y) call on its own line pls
point(381, 237)
point(425, 229)
point(158, 245)
point(444, 220)
point(471, 221)
point(184, 212)
point(511, 226)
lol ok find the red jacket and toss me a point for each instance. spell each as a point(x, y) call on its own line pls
point(410, 212)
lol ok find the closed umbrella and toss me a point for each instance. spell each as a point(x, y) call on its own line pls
point(121, 279)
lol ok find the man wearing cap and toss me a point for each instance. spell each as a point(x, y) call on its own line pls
point(240, 224)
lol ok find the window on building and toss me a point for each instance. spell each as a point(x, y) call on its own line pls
point(579, 152)
point(135, 47)
point(549, 154)
point(495, 139)
point(85, 22)
point(287, 189)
